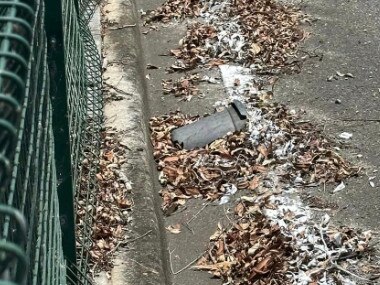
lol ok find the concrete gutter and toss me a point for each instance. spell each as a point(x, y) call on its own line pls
point(142, 262)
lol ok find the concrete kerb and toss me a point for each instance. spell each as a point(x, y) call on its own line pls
point(142, 262)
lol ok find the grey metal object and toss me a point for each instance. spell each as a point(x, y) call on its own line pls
point(211, 128)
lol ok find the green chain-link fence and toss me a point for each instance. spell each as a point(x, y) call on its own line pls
point(50, 120)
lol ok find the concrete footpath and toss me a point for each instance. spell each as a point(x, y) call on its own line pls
point(344, 37)
point(141, 260)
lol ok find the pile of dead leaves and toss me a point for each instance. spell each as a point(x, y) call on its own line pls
point(204, 172)
point(186, 86)
point(193, 50)
point(318, 202)
point(272, 31)
point(264, 33)
point(314, 159)
point(111, 214)
point(173, 9)
point(236, 161)
point(254, 250)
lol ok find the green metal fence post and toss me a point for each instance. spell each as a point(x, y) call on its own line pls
point(59, 97)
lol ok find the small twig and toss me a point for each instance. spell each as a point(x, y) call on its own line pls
point(348, 272)
point(313, 53)
point(185, 267)
point(349, 256)
point(121, 77)
point(123, 27)
point(94, 270)
point(117, 89)
point(108, 120)
point(226, 214)
point(322, 210)
point(115, 248)
point(190, 229)
point(196, 214)
point(118, 244)
point(359, 120)
point(324, 242)
point(139, 237)
point(143, 266)
point(170, 259)
point(302, 122)
point(335, 265)
point(182, 209)
point(226, 246)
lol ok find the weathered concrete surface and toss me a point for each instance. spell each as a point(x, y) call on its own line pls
point(339, 35)
point(191, 242)
point(346, 34)
point(143, 261)
point(186, 247)
point(345, 37)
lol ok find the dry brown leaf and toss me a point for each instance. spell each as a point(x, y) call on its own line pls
point(220, 266)
point(110, 214)
point(254, 183)
point(124, 203)
point(263, 150)
point(255, 49)
point(176, 52)
point(174, 229)
point(215, 235)
point(171, 159)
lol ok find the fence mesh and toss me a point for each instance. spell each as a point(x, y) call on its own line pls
point(89, 161)
point(38, 119)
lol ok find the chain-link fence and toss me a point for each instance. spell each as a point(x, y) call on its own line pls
point(50, 120)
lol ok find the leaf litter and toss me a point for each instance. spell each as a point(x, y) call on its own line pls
point(261, 33)
point(298, 152)
point(113, 204)
point(274, 238)
point(185, 86)
point(277, 153)
point(273, 241)
point(173, 9)
point(238, 160)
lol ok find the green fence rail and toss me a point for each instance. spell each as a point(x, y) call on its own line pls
point(50, 121)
